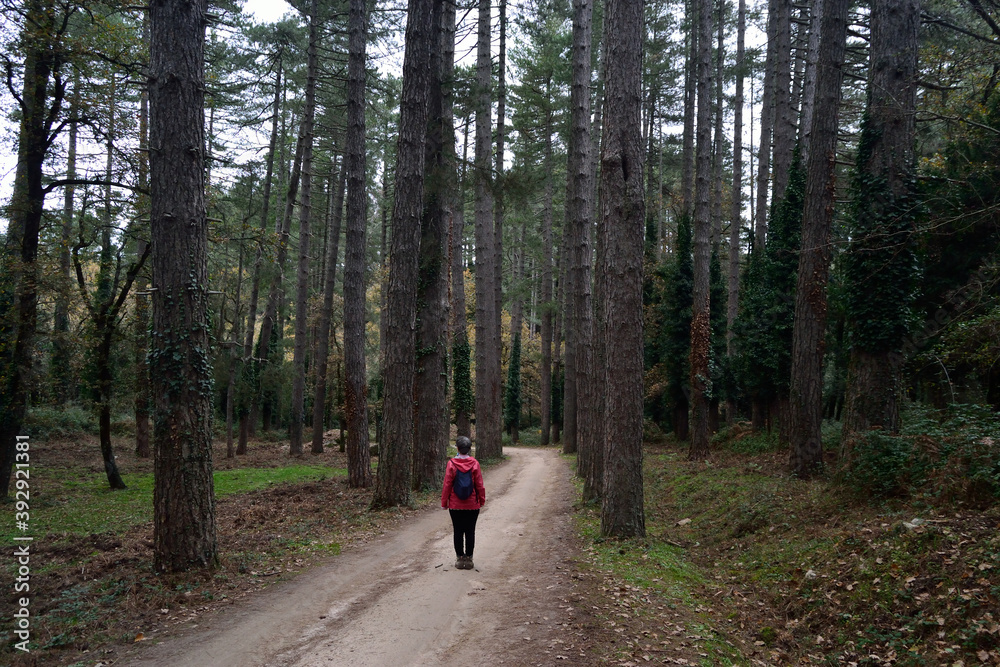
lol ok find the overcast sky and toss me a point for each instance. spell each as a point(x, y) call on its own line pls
point(267, 11)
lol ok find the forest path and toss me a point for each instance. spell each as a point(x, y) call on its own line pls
point(399, 600)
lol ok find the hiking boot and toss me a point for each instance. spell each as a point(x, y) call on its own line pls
point(469, 565)
point(460, 563)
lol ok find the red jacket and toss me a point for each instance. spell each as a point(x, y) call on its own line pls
point(448, 498)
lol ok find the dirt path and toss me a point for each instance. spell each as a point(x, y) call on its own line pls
point(399, 601)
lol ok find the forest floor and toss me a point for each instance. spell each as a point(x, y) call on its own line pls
point(741, 566)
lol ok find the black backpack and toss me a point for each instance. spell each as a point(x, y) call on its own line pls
point(462, 484)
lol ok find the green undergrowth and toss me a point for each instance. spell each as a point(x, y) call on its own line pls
point(653, 587)
point(529, 437)
point(82, 504)
point(806, 573)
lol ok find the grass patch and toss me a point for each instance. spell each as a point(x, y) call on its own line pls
point(529, 437)
point(74, 506)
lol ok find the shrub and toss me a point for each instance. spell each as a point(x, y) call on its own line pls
point(951, 454)
point(883, 465)
point(50, 423)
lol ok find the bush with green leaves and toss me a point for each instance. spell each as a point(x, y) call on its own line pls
point(950, 455)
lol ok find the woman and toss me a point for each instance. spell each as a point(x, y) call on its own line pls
point(463, 478)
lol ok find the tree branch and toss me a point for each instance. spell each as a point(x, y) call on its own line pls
point(86, 181)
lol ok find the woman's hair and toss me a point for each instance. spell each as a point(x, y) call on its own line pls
point(464, 444)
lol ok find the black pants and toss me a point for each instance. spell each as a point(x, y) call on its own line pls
point(464, 522)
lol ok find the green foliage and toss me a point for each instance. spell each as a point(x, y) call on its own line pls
point(762, 364)
point(52, 423)
point(463, 400)
point(739, 439)
point(668, 330)
point(879, 265)
point(512, 397)
point(949, 455)
point(884, 465)
point(558, 385)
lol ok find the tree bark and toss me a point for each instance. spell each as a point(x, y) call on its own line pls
point(269, 323)
point(61, 344)
point(557, 343)
point(622, 214)
point(718, 140)
point(104, 320)
point(548, 306)
point(19, 278)
point(326, 315)
point(701, 328)
point(885, 164)
point(488, 406)
point(463, 400)
point(499, 211)
point(234, 359)
point(430, 390)
point(808, 346)
point(767, 120)
point(355, 374)
point(184, 534)
point(249, 363)
point(784, 124)
point(736, 199)
point(818, 11)
point(393, 482)
point(578, 397)
point(690, 93)
point(305, 221)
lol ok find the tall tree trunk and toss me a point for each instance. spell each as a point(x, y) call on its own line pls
point(736, 200)
point(579, 209)
point(355, 373)
point(455, 221)
point(305, 215)
point(806, 392)
point(499, 188)
point(19, 277)
point(879, 271)
point(143, 398)
point(104, 323)
point(557, 343)
point(784, 123)
point(384, 286)
point(690, 92)
point(234, 357)
point(595, 448)
point(547, 304)
point(623, 217)
point(701, 327)
point(718, 141)
point(767, 120)
point(184, 534)
point(514, 392)
point(61, 344)
point(326, 315)
point(430, 390)
point(270, 326)
point(393, 482)
point(249, 363)
point(818, 11)
point(488, 406)
point(463, 400)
